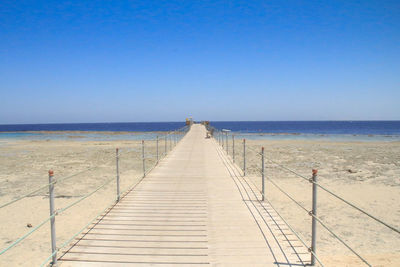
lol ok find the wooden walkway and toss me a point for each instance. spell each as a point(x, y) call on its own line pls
point(193, 209)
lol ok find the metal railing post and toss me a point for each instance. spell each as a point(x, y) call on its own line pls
point(174, 138)
point(227, 143)
point(233, 148)
point(165, 145)
point(263, 174)
point(144, 161)
point(244, 157)
point(314, 214)
point(117, 168)
point(157, 147)
point(53, 219)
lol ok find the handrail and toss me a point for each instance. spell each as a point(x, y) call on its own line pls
point(46, 185)
point(286, 223)
point(320, 221)
point(338, 197)
point(252, 149)
point(72, 175)
point(75, 235)
point(131, 187)
point(357, 208)
point(338, 238)
point(293, 231)
point(84, 197)
point(59, 211)
point(287, 169)
point(52, 216)
point(311, 212)
point(289, 196)
point(20, 239)
point(24, 196)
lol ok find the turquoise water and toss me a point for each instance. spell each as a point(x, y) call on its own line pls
point(88, 131)
point(95, 136)
point(80, 136)
point(321, 137)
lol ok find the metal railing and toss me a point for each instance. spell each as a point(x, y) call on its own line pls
point(172, 138)
point(223, 137)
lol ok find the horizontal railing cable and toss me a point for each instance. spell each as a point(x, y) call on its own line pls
point(289, 196)
point(338, 238)
point(62, 179)
point(338, 197)
point(357, 208)
point(128, 151)
point(46, 186)
point(257, 171)
point(148, 171)
point(318, 219)
point(177, 132)
point(84, 197)
point(310, 212)
point(294, 232)
point(83, 228)
point(289, 170)
point(24, 196)
point(57, 212)
point(76, 234)
point(59, 180)
point(20, 239)
point(286, 223)
point(251, 181)
point(254, 150)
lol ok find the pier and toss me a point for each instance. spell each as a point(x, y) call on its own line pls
point(193, 209)
point(187, 197)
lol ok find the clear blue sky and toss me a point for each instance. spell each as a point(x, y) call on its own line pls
point(115, 61)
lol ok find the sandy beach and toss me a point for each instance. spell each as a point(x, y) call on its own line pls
point(24, 167)
point(365, 173)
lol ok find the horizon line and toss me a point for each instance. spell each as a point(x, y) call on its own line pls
point(183, 121)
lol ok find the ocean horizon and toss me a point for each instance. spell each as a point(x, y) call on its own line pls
point(329, 130)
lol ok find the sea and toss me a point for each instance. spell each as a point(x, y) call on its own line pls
point(274, 130)
point(321, 130)
point(88, 131)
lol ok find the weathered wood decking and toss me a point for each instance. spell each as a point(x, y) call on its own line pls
point(193, 209)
